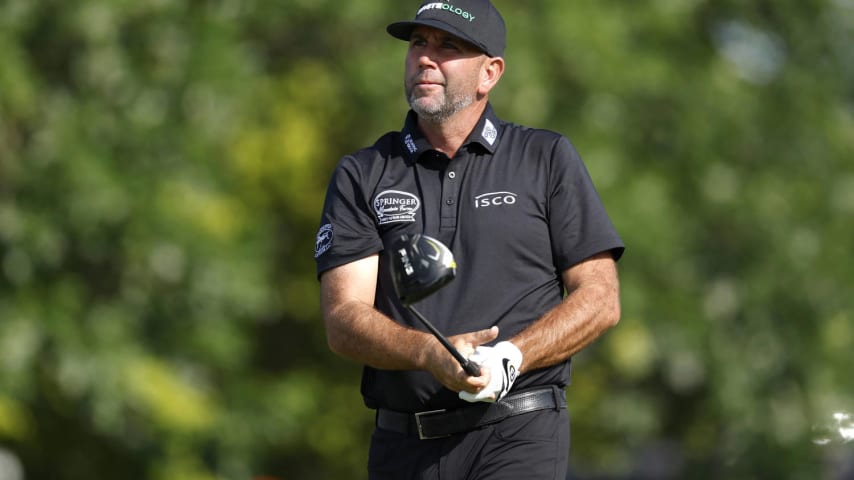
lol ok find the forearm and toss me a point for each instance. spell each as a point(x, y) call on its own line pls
point(588, 311)
point(359, 332)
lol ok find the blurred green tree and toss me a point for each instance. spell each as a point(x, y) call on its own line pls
point(162, 167)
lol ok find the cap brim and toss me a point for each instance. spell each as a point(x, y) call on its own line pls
point(403, 30)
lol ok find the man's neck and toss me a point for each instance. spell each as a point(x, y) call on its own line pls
point(448, 136)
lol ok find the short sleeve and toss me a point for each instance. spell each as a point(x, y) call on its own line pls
point(347, 228)
point(578, 223)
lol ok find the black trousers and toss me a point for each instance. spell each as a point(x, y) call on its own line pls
point(530, 446)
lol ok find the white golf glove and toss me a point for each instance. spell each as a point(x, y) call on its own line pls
point(503, 361)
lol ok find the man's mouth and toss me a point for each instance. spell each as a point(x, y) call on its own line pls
point(426, 82)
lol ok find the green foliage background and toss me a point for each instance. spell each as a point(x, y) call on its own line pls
point(162, 169)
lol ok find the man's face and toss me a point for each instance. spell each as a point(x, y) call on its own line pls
point(442, 73)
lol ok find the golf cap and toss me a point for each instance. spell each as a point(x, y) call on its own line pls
point(475, 21)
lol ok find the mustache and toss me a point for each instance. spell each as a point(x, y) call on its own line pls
point(426, 78)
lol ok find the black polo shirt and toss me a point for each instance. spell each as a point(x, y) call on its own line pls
point(515, 205)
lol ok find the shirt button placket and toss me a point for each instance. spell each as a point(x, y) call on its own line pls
point(449, 213)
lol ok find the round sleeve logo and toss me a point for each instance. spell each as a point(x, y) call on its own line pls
point(324, 240)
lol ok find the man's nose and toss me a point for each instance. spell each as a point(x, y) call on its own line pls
point(426, 61)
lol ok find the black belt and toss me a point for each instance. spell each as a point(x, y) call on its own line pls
point(444, 423)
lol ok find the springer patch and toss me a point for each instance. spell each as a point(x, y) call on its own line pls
point(393, 206)
point(324, 240)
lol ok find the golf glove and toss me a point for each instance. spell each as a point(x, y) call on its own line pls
point(503, 361)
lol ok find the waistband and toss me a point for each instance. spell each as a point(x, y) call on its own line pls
point(444, 423)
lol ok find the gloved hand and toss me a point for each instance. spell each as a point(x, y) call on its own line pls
point(503, 361)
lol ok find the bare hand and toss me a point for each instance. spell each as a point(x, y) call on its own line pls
point(448, 371)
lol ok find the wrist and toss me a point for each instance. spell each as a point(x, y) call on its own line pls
point(425, 351)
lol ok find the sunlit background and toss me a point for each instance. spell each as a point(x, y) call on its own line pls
point(162, 169)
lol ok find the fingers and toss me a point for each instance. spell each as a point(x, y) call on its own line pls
point(476, 384)
point(484, 336)
point(467, 342)
point(449, 372)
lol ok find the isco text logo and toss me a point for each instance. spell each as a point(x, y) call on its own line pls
point(494, 199)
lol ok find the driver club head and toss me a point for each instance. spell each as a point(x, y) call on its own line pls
point(420, 265)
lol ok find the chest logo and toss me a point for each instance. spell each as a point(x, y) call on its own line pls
point(494, 199)
point(393, 206)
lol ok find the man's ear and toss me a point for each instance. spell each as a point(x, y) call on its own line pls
point(493, 68)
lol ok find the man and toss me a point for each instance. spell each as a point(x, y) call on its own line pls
point(525, 224)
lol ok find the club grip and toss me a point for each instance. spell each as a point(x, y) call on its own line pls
point(471, 368)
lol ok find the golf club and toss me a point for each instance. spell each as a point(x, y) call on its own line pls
point(421, 265)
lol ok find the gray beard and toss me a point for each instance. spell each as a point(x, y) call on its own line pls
point(442, 112)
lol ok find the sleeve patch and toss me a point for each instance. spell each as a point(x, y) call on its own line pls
point(324, 240)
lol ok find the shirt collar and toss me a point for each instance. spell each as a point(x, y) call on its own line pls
point(486, 134)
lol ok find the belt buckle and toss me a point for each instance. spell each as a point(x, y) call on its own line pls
point(418, 416)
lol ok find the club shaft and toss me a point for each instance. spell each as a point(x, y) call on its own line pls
point(470, 367)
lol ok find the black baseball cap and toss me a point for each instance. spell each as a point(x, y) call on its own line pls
point(475, 21)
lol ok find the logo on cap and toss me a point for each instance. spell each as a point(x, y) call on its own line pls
point(446, 6)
